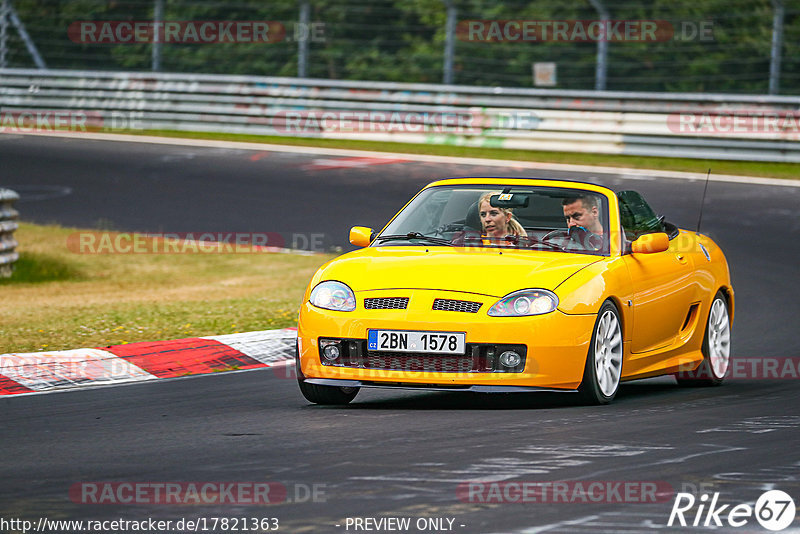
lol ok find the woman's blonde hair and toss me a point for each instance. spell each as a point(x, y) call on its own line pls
point(513, 224)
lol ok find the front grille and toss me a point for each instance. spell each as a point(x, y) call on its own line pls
point(479, 358)
point(420, 362)
point(456, 305)
point(387, 303)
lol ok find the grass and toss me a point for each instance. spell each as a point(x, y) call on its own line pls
point(61, 299)
point(739, 168)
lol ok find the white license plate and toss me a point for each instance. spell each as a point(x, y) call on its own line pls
point(414, 341)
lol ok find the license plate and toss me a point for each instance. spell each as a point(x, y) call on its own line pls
point(413, 341)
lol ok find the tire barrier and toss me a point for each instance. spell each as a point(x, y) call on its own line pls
point(8, 224)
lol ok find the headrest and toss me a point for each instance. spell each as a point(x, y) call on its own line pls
point(473, 219)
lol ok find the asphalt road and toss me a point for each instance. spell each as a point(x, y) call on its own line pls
point(394, 454)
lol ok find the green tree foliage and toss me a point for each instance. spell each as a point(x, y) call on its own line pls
point(404, 40)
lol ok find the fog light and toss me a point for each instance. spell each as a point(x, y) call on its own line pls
point(331, 352)
point(510, 359)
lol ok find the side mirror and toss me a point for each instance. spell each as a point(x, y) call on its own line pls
point(650, 243)
point(360, 236)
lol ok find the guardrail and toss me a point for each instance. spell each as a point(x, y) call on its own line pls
point(716, 126)
point(8, 224)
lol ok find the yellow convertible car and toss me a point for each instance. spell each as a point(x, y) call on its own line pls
point(513, 285)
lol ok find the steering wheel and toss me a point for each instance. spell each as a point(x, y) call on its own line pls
point(553, 233)
point(449, 228)
point(579, 235)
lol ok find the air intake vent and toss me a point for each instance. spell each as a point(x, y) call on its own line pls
point(390, 303)
point(456, 305)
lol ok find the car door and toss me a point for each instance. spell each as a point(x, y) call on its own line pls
point(663, 282)
point(663, 292)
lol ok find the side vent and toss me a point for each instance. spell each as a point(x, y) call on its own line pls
point(691, 316)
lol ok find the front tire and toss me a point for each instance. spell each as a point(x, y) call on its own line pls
point(330, 395)
point(716, 348)
point(601, 375)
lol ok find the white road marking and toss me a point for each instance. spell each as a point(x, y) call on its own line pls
point(758, 425)
point(569, 523)
point(349, 163)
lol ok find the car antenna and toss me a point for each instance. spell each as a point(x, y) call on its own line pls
point(703, 202)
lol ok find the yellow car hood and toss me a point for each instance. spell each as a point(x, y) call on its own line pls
point(492, 272)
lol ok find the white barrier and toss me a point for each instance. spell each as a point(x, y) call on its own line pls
point(658, 124)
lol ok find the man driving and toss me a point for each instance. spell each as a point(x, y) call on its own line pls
point(581, 211)
point(583, 221)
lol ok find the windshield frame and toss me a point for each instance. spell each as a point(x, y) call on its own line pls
point(519, 185)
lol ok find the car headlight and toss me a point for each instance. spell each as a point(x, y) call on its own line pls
point(525, 302)
point(333, 296)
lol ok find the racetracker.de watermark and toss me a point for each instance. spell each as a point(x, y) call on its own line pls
point(298, 122)
point(66, 368)
point(763, 368)
point(753, 368)
point(566, 492)
point(583, 31)
point(103, 242)
point(49, 120)
point(180, 31)
point(64, 120)
point(744, 122)
point(195, 493)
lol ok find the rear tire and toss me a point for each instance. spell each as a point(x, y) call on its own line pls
point(331, 395)
point(601, 375)
point(716, 348)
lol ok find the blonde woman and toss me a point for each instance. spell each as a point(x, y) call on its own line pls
point(498, 222)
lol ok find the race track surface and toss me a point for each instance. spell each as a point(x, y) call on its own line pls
point(392, 453)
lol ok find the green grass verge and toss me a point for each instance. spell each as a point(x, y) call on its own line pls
point(59, 299)
point(739, 168)
point(36, 268)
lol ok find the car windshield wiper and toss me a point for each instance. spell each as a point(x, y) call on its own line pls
point(416, 235)
point(551, 246)
point(514, 242)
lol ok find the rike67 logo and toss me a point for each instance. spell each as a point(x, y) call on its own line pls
point(774, 510)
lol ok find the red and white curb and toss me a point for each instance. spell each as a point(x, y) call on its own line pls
point(34, 372)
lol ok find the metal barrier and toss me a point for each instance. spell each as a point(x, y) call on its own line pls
point(714, 126)
point(8, 224)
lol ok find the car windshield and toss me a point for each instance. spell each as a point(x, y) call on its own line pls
point(505, 216)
